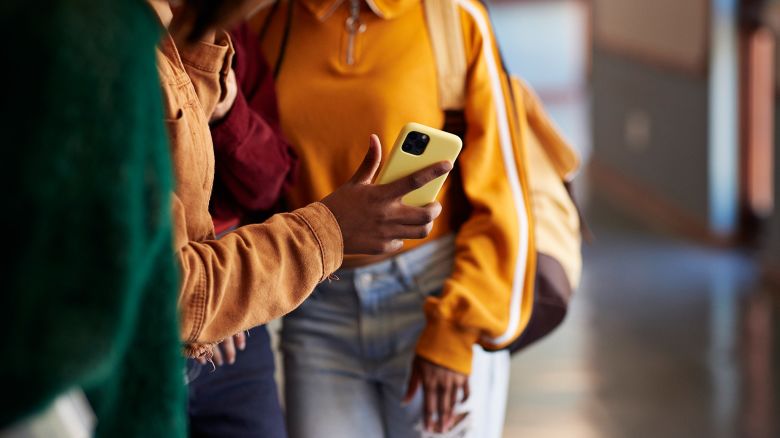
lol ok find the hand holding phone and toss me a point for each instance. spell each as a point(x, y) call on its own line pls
point(372, 217)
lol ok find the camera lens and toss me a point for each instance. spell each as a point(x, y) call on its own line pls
point(415, 143)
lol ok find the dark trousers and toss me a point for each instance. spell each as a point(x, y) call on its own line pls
point(238, 400)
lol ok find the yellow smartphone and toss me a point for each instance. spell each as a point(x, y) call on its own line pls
point(418, 146)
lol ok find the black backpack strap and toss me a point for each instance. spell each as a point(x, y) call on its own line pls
point(267, 21)
point(285, 35)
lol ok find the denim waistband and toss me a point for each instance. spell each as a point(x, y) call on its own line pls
point(408, 265)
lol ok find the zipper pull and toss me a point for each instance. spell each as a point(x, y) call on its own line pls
point(354, 27)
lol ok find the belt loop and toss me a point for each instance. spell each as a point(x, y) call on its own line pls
point(361, 279)
point(405, 273)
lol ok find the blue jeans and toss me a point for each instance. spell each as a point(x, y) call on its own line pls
point(238, 400)
point(348, 348)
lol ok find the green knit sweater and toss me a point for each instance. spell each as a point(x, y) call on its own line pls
point(89, 282)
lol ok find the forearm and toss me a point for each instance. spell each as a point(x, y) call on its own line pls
point(484, 301)
point(256, 273)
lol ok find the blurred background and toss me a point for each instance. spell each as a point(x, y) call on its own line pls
point(675, 331)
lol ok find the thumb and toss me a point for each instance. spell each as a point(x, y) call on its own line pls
point(369, 166)
point(414, 383)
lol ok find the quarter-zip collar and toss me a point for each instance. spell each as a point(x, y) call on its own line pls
point(387, 9)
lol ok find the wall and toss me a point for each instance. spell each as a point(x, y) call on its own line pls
point(672, 32)
point(772, 242)
point(650, 125)
point(665, 109)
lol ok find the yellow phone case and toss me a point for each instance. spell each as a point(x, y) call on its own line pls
point(442, 146)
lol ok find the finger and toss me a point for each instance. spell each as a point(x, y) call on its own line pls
point(240, 341)
point(230, 81)
point(414, 181)
point(414, 384)
point(217, 357)
point(372, 160)
point(409, 231)
point(388, 246)
point(466, 391)
point(453, 400)
point(406, 215)
point(430, 391)
point(228, 99)
point(445, 404)
point(229, 347)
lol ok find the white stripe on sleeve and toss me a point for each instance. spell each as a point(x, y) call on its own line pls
point(510, 165)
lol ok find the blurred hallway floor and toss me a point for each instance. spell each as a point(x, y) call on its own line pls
point(664, 339)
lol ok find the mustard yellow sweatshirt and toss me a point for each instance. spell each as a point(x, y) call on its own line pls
point(336, 87)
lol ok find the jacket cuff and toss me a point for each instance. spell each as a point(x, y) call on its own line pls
point(328, 234)
point(213, 57)
point(446, 345)
point(198, 350)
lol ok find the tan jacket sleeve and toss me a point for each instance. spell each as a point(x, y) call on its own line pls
point(254, 274)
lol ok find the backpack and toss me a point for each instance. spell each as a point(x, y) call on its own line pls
point(543, 156)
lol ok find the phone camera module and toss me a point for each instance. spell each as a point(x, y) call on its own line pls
point(415, 143)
